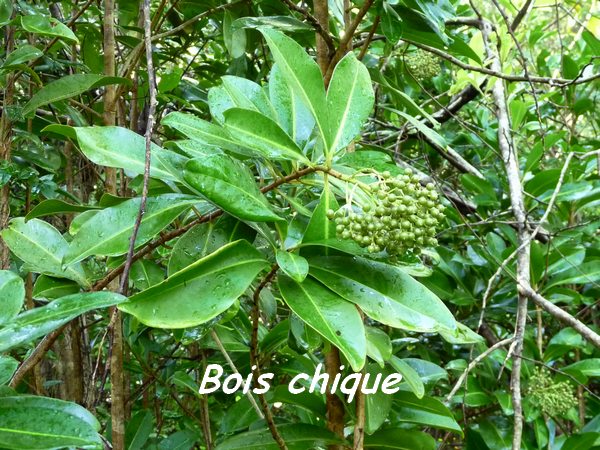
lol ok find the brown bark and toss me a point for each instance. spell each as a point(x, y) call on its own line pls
point(5, 146)
point(322, 15)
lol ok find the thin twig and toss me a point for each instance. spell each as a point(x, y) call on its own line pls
point(473, 363)
point(148, 153)
point(559, 82)
point(225, 354)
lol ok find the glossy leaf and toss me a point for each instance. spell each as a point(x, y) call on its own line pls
point(40, 321)
point(283, 23)
point(199, 292)
point(385, 293)
point(303, 76)
point(261, 134)
point(42, 248)
point(425, 411)
point(292, 114)
point(409, 375)
point(588, 272)
point(105, 146)
point(293, 265)
point(12, 295)
point(298, 436)
point(50, 288)
point(21, 55)
point(334, 318)
point(8, 366)
point(67, 87)
point(6, 10)
point(205, 238)
point(54, 206)
point(47, 26)
point(379, 345)
point(109, 231)
point(350, 100)
point(320, 227)
point(230, 185)
point(400, 439)
point(57, 424)
point(236, 92)
point(202, 131)
point(377, 405)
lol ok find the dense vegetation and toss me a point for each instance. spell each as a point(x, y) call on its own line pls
point(279, 187)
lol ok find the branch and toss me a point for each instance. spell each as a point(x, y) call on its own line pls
point(348, 35)
point(148, 153)
point(315, 24)
point(586, 332)
point(559, 82)
point(222, 349)
point(255, 365)
point(511, 166)
point(473, 363)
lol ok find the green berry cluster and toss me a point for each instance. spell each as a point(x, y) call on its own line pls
point(553, 398)
point(401, 216)
point(422, 65)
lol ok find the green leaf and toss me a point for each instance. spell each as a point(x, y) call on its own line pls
point(425, 411)
point(283, 23)
point(202, 131)
point(236, 92)
point(109, 231)
point(385, 293)
point(330, 315)
point(105, 146)
point(460, 334)
point(409, 375)
point(67, 87)
point(379, 345)
point(138, 430)
point(145, 274)
point(588, 272)
point(57, 424)
point(583, 441)
point(587, 367)
point(400, 439)
point(221, 277)
point(377, 405)
point(292, 114)
point(6, 10)
point(22, 55)
point(320, 227)
point(47, 26)
point(229, 184)
point(293, 265)
point(430, 133)
point(40, 321)
point(238, 416)
point(261, 134)
point(235, 40)
point(350, 99)
point(205, 238)
point(12, 295)
point(303, 76)
point(54, 206)
point(42, 248)
point(297, 436)
point(8, 366)
point(49, 288)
